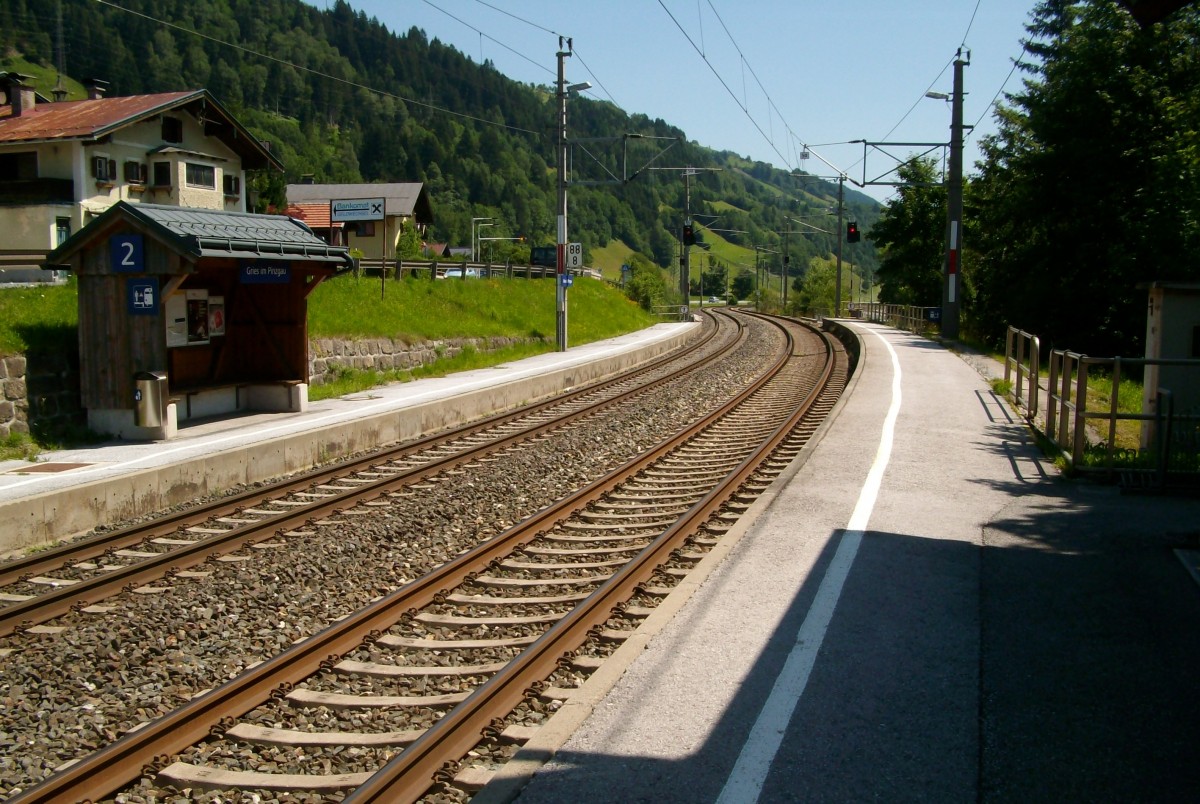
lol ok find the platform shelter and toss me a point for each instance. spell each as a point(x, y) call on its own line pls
point(188, 314)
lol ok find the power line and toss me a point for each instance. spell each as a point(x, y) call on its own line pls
point(530, 23)
point(518, 19)
point(599, 83)
point(970, 23)
point(918, 101)
point(483, 35)
point(991, 105)
point(745, 111)
point(311, 71)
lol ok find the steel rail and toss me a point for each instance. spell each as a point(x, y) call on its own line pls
point(99, 774)
point(409, 775)
point(62, 600)
point(95, 546)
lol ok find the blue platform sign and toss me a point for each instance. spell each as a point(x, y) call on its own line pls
point(127, 254)
point(565, 280)
point(141, 296)
point(264, 272)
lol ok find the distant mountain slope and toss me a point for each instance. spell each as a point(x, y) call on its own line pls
point(482, 143)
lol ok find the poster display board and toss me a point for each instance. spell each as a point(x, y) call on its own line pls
point(216, 316)
point(188, 318)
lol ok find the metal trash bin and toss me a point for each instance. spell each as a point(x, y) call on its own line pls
point(149, 398)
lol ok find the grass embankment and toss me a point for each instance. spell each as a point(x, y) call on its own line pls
point(422, 310)
point(35, 319)
point(46, 318)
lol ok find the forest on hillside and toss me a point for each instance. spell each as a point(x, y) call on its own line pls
point(482, 143)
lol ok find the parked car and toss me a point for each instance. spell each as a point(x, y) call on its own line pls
point(457, 273)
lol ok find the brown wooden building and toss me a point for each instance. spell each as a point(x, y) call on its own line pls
point(186, 314)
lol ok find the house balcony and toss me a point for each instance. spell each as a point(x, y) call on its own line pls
point(25, 192)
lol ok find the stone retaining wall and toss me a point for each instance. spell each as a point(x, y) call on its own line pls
point(40, 387)
point(14, 402)
point(45, 388)
point(327, 355)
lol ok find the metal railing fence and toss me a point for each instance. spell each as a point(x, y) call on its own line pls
point(435, 268)
point(1069, 414)
point(901, 316)
point(1022, 358)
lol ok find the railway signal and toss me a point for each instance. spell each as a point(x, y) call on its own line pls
point(852, 233)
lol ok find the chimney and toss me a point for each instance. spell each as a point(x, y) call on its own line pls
point(22, 98)
point(96, 88)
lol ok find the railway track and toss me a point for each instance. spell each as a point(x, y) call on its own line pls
point(473, 638)
point(80, 574)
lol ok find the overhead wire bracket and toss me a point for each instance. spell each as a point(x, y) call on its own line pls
point(622, 166)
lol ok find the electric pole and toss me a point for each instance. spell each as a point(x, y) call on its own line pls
point(954, 208)
point(841, 234)
point(560, 290)
point(685, 268)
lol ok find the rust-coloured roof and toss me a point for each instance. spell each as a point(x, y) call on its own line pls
point(83, 119)
point(315, 215)
point(95, 118)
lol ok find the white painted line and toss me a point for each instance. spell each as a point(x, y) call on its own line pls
point(749, 773)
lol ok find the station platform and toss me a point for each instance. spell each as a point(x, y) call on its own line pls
point(921, 609)
point(65, 493)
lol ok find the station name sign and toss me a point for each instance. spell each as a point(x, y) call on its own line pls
point(356, 209)
point(265, 273)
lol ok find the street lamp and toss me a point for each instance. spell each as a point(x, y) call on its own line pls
point(474, 250)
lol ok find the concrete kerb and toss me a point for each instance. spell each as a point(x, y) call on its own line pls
point(510, 779)
point(65, 513)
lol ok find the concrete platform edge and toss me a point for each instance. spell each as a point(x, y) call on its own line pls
point(65, 513)
point(509, 780)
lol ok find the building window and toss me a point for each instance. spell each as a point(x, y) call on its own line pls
point(135, 172)
point(162, 174)
point(233, 184)
point(21, 165)
point(364, 228)
point(201, 176)
point(172, 129)
point(104, 169)
point(62, 230)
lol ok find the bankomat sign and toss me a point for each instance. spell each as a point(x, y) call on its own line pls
point(356, 209)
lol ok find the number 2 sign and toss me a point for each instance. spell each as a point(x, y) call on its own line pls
point(126, 254)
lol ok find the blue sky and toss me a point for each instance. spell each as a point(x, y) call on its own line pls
point(757, 77)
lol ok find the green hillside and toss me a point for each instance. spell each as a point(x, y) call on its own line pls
point(477, 139)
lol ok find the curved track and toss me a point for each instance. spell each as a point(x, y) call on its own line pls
point(73, 576)
point(484, 635)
